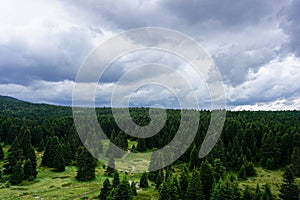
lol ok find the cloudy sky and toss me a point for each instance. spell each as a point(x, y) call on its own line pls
point(254, 44)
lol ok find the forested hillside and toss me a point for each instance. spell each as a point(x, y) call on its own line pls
point(40, 138)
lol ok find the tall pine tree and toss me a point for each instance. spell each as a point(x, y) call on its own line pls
point(86, 165)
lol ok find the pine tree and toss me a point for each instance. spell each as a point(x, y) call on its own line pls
point(1, 153)
point(183, 182)
point(17, 174)
point(159, 179)
point(86, 165)
point(207, 178)
point(29, 173)
point(144, 181)
point(289, 190)
point(116, 180)
point(28, 151)
point(141, 147)
point(53, 156)
point(15, 154)
point(164, 192)
point(194, 190)
point(226, 189)
point(133, 189)
point(105, 190)
point(110, 170)
point(295, 160)
point(122, 192)
point(194, 160)
point(267, 193)
point(247, 195)
point(258, 193)
point(219, 170)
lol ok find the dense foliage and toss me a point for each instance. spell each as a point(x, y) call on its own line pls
point(264, 138)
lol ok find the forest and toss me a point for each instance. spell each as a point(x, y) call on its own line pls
point(42, 157)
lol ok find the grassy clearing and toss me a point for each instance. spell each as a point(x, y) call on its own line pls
point(273, 178)
point(52, 185)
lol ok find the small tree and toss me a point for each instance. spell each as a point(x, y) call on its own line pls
point(86, 165)
point(17, 174)
point(123, 191)
point(116, 180)
point(105, 190)
point(289, 190)
point(28, 170)
point(133, 189)
point(1, 153)
point(267, 193)
point(144, 181)
point(194, 190)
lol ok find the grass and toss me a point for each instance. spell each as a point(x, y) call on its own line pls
point(53, 185)
point(272, 177)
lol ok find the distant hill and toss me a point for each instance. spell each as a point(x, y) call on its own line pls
point(12, 107)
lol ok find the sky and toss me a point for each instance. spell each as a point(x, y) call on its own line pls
point(254, 44)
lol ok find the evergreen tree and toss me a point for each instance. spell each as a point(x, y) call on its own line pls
point(133, 189)
point(86, 165)
point(226, 189)
point(194, 160)
point(15, 154)
point(122, 192)
point(183, 182)
point(53, 156)
point(144, 181)
point(1, 153)
point(219, 170)
point(207, 178)
point(17, 174)
point(267, 193)
point(247, 195)
point(164, 192)
point(141, 147)
point(116, 180)
point(29, 173)
point(289, 190)
point(58, 161)
point(258, 193)
point(159, 179)
point(28, 151)
point(295, 160)
point(105, 190)
point(12, 133)
point(110, 170)
point(194, 190)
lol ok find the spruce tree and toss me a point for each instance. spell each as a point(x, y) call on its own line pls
point(267, 193)
point(194, 190)
point(15, 154)
point(29, 173)
point(105, 190)
point(207, 178)
point(247, 194)
point(164, 192)
point(144, 181)
point(133, 189)
point(295, 161)
point(116, 180)
point(289, 190)
point(1, 153)
point(226, 189)
point(86, 165)
point(122, 192)
point(110, 170)
point(159, 179)
point(194, 160)
point(219, 169)
point(17, 174)
point(28, 151)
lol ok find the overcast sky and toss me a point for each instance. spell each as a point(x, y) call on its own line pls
point(255, 45)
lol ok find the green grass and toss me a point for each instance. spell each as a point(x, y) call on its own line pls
point(53, 185)
point(272, 177)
